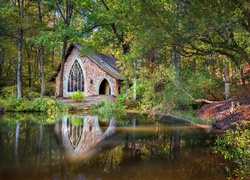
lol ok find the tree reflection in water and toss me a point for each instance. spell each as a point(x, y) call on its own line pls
point(92, 148)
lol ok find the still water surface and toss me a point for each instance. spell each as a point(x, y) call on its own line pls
point(94, 147)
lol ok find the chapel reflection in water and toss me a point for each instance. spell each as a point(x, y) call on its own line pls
point(110, 148)
point(81, 134)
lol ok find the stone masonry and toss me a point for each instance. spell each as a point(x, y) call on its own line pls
point(93, 75)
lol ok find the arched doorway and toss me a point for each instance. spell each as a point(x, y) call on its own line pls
point(104, 88)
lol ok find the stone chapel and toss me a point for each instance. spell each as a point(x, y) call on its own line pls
point(92, 74)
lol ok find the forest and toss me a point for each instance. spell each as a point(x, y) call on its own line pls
point(173, 53)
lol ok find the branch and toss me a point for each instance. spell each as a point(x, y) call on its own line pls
point(199, 51)
point(191, 97)
point(25, 7)
point(59, 9)
point(157, 15)
point(118, 36)
point(70, 9)
point(206, 101)
point(105, 5)
point(82, 13)
point(7, 35)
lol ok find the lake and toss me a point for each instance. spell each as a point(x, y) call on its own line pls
point(128, 146)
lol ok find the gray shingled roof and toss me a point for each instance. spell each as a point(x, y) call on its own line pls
point(106, 62)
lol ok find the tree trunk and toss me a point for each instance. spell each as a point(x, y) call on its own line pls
point(243, 81)
point(176, 62)
point(127, 86)
point(29, 64)
point(67, 18)
point(1, 65)
point(29, 73)
point(227, 80)
point(42, 76)
point(19, 64)
point(62, 68)
point(41, 55)
point(134, 82)
point(19, 48)
point(53, 59)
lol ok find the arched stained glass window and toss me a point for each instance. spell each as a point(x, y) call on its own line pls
point(76, 80)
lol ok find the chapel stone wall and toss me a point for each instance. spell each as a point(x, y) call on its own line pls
point(93, 76)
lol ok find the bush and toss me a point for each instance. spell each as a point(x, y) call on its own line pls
point(120, 102)
point(235, 145)
point(2, 101)
point(78, 96)
point(8, 91)
point(103, 105)
point(42, 104)
point(12, 103)
point(32, 95)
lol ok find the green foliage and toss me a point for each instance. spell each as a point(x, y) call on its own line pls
point(78, 96)
point(8, 91)
point(235, 144)
point(32, 95)
point(103, 105)
point(42, 104)
point(2, 101)
point(200, 83)
point(204, 33)
point(159, 88)
point(12, 119)
point(120, 102)
point(77, 121)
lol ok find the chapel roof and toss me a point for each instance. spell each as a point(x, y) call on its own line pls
point(106, 62)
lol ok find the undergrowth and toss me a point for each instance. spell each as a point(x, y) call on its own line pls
point(40, 104)
point(234, 145)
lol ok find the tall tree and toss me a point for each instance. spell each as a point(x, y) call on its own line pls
point(41, 53)
point(66, 11)
point(112, 23)
point(17, 16)
point(218, 27)
point(20, 5)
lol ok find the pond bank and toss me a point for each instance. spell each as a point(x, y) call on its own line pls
point(166, 116)
point(227, 113)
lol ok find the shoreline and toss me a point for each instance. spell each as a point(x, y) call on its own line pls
point(225, 113)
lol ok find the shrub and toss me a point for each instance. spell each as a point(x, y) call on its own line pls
point(78, 96)
point(12, 103)
point(120, 102)
point(2, 102)
point(8, 91)
point(235, 145)
point(103, 105)
point(32, 95)
point(42, 104)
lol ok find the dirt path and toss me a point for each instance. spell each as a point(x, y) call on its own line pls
point(89, 101)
